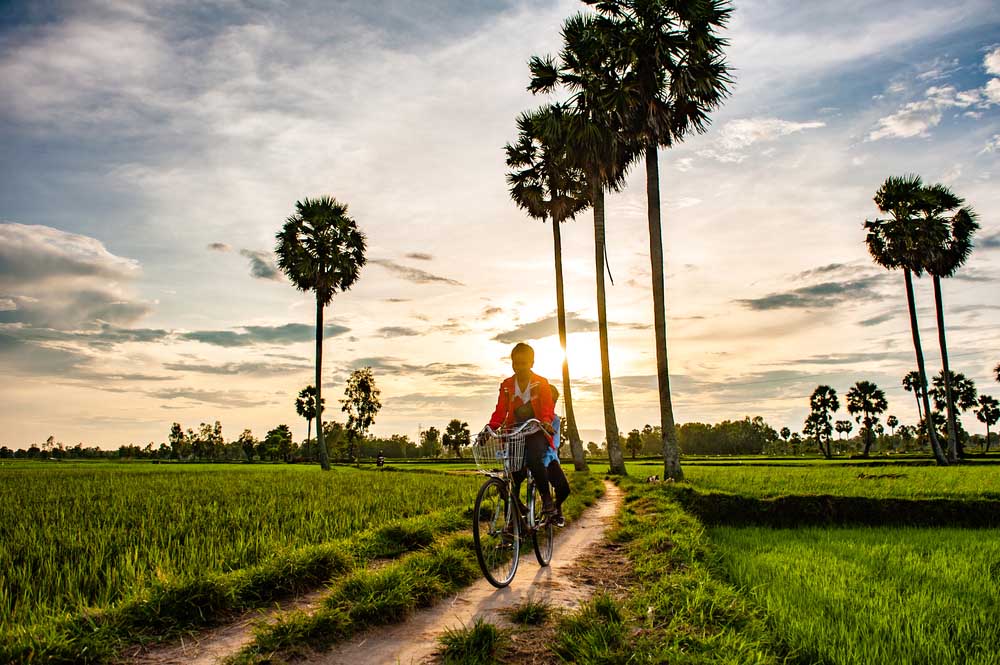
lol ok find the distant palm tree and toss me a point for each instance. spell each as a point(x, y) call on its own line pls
point(546, 186)
point(785, 433)
point(895, 242)
point(844, 426)
point(865, 401)
point(988, 413)
point(598, 150)
point(320, 249)
point(996, 372)
point(911, 384)
point(673, 74)
point(892, 422)
point(823, 403)
point(963, 393)
point(948, 228)
point(305, 406)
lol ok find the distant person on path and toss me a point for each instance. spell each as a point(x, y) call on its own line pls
point(380, 460)
point(524, 396)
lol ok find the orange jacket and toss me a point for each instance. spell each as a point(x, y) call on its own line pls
point(541, 402)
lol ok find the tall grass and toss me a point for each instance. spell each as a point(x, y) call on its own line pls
point(79, 536)
point(886, 595)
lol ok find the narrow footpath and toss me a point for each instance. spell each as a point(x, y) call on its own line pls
point(415, 641)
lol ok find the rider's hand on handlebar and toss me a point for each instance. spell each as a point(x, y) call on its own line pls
point(481, 438)
point(547, 427)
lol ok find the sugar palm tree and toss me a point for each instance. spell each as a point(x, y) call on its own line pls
point(320, 249)
point(948, 228)
point(895, 242)
point(673, 74)
point(892, 422)
point(963, 397)
point(823, 403)
point(597, 149)
point(911, 384)
point(546, 186)
point(844, 426)
point(988, 413)
point(305, 406)
point(865, 401)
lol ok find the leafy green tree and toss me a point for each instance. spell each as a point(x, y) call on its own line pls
point(430, 442)
point(633, 443)
point(673, 74)
point(596, 146)
point(892, 422)
point(456, 435)
point(178, 441)
point(247, 444)
point(278, 442)
point(823, 403)
point(305, 406)
point(988, 413)
point(361, 404)
point(948, 228)
point(895, 242)
point(320, 249)
point(547, 186)
point(865, 401)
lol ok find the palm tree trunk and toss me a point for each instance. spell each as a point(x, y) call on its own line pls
point(616, 462)
point(324, 460)
point(949, 398)
point(572, 433)
point(868, 437)
point(931, 434)
point(671, 450)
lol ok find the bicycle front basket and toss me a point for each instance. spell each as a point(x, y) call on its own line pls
point(503, 453)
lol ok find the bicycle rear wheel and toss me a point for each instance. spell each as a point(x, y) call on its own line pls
point(496, 533)
point(542, 536)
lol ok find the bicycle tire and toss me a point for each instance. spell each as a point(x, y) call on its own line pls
point(496, 533)
point(541, 537)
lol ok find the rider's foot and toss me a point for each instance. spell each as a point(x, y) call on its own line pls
point(557, 518)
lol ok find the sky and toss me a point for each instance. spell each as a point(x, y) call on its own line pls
point(152, 150)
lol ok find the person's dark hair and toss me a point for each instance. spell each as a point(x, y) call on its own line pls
point(522, 348)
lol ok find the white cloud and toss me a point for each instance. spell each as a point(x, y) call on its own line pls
point(992, 62)
point(992, 91)
point(993, 145)
point(63, 280)
point(737, 135)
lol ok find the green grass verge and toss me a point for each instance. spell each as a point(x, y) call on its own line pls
point(680, 612)
point(479, 644)
point(857, 596)
point(530, 613)
point(367, 598)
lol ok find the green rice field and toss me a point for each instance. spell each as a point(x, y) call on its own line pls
point(89, 535)
point(872, 595)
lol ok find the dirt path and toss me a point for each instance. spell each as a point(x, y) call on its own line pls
point(415, 640)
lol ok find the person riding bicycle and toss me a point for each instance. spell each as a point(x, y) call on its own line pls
point(522, 397)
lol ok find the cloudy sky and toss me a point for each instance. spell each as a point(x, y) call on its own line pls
point(151, 151)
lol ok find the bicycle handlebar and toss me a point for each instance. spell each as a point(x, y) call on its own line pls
point(522, 428)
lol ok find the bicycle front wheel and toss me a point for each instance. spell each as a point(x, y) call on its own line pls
point(496, 533)
point(542, 536)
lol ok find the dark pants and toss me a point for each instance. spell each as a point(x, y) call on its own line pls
point(535, 446)
point(558, 481)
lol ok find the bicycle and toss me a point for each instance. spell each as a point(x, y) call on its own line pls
point(500, 517)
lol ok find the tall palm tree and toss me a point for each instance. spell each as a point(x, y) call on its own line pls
point(948, 228)
point(322, 250)
point(963, 397)
point(895, 242)
point(865, 401)
point(548, 187)
point(988, 413)
point(305, 406)
point(892, 422)
point(823, 403)
point(911, 384)
point(673, 73)
point(596, 148)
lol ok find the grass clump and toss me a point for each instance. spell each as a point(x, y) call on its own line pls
point(479, 645)
point(531, 613)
